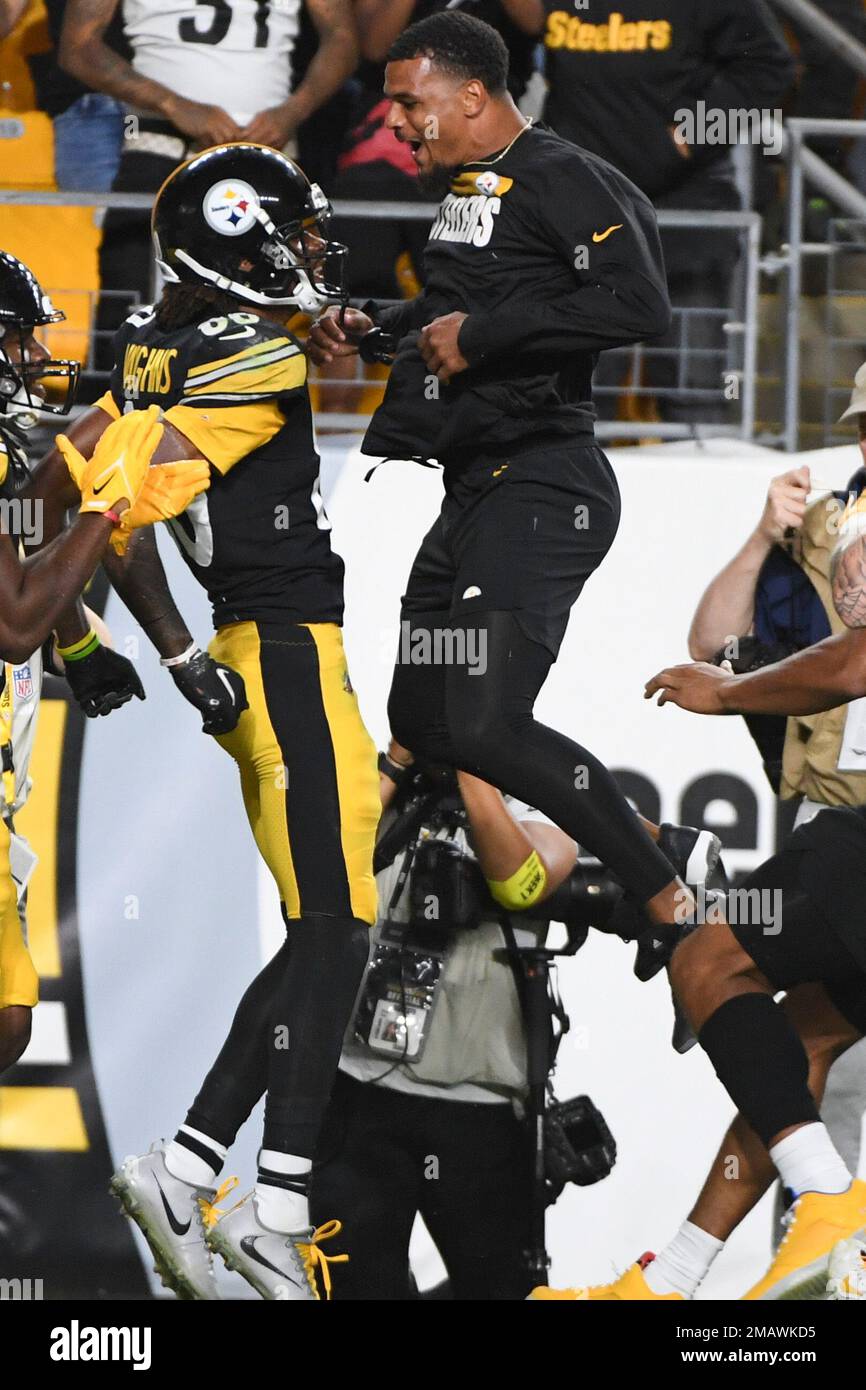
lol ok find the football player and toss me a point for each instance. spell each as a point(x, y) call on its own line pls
point(774, 1058)
point(241, 237)
point(116, 491)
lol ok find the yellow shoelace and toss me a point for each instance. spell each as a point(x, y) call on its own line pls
point(210, 1208)
point(314, 1258)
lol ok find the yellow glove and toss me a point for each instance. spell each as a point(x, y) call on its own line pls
point(111, 480)
point(167, 491)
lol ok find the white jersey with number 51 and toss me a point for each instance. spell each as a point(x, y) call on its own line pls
point(236, 54)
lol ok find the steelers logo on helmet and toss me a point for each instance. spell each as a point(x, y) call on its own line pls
point(230, 207)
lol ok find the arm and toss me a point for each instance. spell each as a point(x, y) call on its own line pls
point(10, 13)
point(829, 674)
point(334, 60)
point(55, 493)
point(504, 845)
point(34, 594)
point(750, 62)
point(338, 334)
point(528, 15)
point(138, 578)
point(727, 608)
point(84, 53)
point(379, 23)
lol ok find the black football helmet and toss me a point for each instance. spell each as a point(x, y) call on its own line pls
point(24, 379)
point(246, 219)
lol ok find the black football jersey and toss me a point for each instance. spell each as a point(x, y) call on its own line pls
point(235, 385)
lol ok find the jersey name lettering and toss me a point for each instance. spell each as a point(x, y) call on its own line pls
point(146, 369)
point(468, 220)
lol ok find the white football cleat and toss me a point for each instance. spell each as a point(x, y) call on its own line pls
point(846, 1275)
point(278, 1266)
point(172, 1217)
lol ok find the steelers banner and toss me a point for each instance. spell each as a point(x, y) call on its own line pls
point(149, 912)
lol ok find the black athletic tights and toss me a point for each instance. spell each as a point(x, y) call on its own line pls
point(286, 1038)
point(483, 723)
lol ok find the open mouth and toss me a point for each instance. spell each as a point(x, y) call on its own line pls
point(416, 147)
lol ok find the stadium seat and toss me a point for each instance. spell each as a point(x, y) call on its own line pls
point(62, 250)
point(30, 35)
point(26, 149)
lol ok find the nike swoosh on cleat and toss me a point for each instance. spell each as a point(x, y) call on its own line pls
point(248, 1245)
point(173, 1222)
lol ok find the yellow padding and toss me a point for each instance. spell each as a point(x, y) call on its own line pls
point(62, 251)
point(26, 150)
point(523, 888)
point(42, 1117)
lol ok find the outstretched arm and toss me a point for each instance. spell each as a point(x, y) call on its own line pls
point(830, 673)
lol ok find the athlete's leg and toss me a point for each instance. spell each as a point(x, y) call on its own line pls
point(15, 1023)
point(725, 978)
point(508, 557)
point(19, 984)
point(490, 715)
point(742, 1170)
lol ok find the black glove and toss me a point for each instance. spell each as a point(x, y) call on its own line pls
point(103, 681)
point(218, 692)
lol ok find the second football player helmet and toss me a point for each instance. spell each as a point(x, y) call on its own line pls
point(25, 377)
point(247, 219)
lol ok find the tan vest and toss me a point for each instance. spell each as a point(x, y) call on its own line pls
point(813, 741)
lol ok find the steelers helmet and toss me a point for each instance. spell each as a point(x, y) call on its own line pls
point(24, 305)
point(246, 219)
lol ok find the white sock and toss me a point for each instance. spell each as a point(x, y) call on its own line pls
point(189, 1167)
point(808, 1161)
point(685, 1262)
point(279, 1208)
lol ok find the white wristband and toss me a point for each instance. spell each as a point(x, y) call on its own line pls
point(192, 650)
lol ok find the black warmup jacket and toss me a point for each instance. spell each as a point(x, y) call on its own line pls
point(620, 70)
point(554, 255)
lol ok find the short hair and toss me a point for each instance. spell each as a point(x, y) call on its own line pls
point(458, 44)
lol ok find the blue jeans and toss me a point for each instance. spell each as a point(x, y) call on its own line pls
point(87, 140)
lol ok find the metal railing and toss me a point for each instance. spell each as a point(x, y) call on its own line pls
point(832, 35)
point(805, 166)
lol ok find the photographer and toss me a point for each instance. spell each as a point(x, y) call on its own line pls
point(424, 1116)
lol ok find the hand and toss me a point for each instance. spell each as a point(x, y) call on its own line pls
point(218, 692)
point(113, 477)
point(786, 504)
point(205, 125)
point(398, 754)
point(682, 148)
point(274, 126)
point(438, 346)
point(103, 681)
point(336, 333)
point(699, 687)
point(167, 491)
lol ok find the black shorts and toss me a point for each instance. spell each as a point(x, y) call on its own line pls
point(821, 936)
point(521, 534)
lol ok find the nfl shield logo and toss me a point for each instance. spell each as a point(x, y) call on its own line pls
point(23, 683)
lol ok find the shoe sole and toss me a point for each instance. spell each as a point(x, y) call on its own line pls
point(218, 1245)
point(169, 1271)
point(810, 1283)
point(707, 853)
